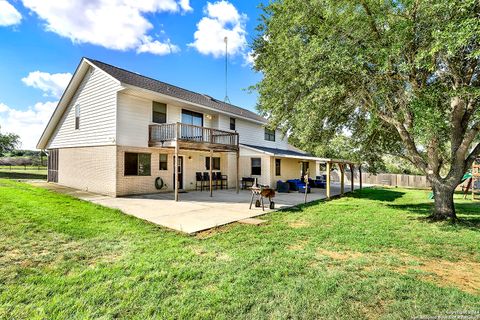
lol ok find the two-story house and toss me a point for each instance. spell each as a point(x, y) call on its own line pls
point(116, 132)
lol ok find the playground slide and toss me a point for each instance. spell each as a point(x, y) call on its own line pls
point(466, 176)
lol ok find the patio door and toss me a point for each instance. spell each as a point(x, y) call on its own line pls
point(180, 172)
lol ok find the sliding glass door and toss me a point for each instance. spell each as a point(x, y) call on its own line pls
point(192, 118)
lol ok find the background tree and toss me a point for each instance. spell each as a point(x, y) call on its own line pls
point(8, 142)
point(401, 76)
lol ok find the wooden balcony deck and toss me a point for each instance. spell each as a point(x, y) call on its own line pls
point(193, 137)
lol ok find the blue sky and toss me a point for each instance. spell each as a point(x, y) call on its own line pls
point(176, 41)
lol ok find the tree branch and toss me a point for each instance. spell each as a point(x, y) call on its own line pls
point(372, 19)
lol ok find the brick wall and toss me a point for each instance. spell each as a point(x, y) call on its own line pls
point(88, 168)
point(193, 161)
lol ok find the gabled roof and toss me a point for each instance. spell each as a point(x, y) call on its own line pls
point(137, 80)
point(128, 78)
point(62, 105)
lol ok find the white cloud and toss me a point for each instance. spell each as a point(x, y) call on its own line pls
point(185, 5)
point(3, 107)
point(28, 124)
point(222, 20)
point(156, 47)
point(249, 58)
point(113, 24)
point(9, 16)
point(52, 84)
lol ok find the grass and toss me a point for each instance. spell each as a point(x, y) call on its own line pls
point(20, 172)
point(368, 255)
point(35, 168)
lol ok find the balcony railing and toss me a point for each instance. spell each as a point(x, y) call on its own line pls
point(161, 133)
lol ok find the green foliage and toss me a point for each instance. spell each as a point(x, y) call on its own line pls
point(387, 72)
point(26, 153)
point(63, 258)
point(399, 166)
point(8, 142)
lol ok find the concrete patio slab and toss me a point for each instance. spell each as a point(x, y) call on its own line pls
point(196, 211)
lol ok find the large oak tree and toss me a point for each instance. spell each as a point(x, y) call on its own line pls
point(402, 77)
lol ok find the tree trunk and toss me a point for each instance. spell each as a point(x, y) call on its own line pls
point(444, 209)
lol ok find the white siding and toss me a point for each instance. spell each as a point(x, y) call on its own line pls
point(134, 116)
point(223, 122)
point(174, 114)
point(252, 133)
point(96, 97)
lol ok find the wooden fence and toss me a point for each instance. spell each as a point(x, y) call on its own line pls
point(385, 179)
point(396, 180)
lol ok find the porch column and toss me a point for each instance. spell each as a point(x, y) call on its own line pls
point(360, 175)
point(352, 185)
point(176, 170)
point(237, 174)
point(210, 169)
point(342, 178)
point(329, 167)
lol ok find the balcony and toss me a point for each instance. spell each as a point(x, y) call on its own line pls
point(188, 136)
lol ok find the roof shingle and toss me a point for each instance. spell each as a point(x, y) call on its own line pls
point(279, 152)
point(143, 82)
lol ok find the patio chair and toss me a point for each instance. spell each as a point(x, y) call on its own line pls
point(225, 180)
point(221, 179)
point(206, 179)
point(199, 183)
point(282, 187)
point(215, 180)
point(247, 182)
point(294, 184)
point(301, 189)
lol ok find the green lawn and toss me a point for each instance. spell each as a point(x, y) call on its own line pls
point(22, 173)
point(368, 255)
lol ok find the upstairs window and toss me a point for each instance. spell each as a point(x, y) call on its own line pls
point(256, 166)
point(137, 164)
point(216, 163)
point(232, 124)
point(191, 117)
point(77, 117)
point(269, 134)
point(159, 112)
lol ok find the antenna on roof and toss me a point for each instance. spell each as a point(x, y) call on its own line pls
point(226, 70)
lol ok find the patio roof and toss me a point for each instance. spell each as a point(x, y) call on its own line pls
point(285, 153)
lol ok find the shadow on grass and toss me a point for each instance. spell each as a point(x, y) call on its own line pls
point(367, 193)
point(468, 213)
point(377, 194)
point(22, 175)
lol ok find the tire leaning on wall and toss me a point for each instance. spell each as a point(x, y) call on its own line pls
point(159, 183)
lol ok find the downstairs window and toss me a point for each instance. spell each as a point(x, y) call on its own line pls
point(137, 164)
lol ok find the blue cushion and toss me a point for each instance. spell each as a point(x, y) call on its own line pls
point(302, 189)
